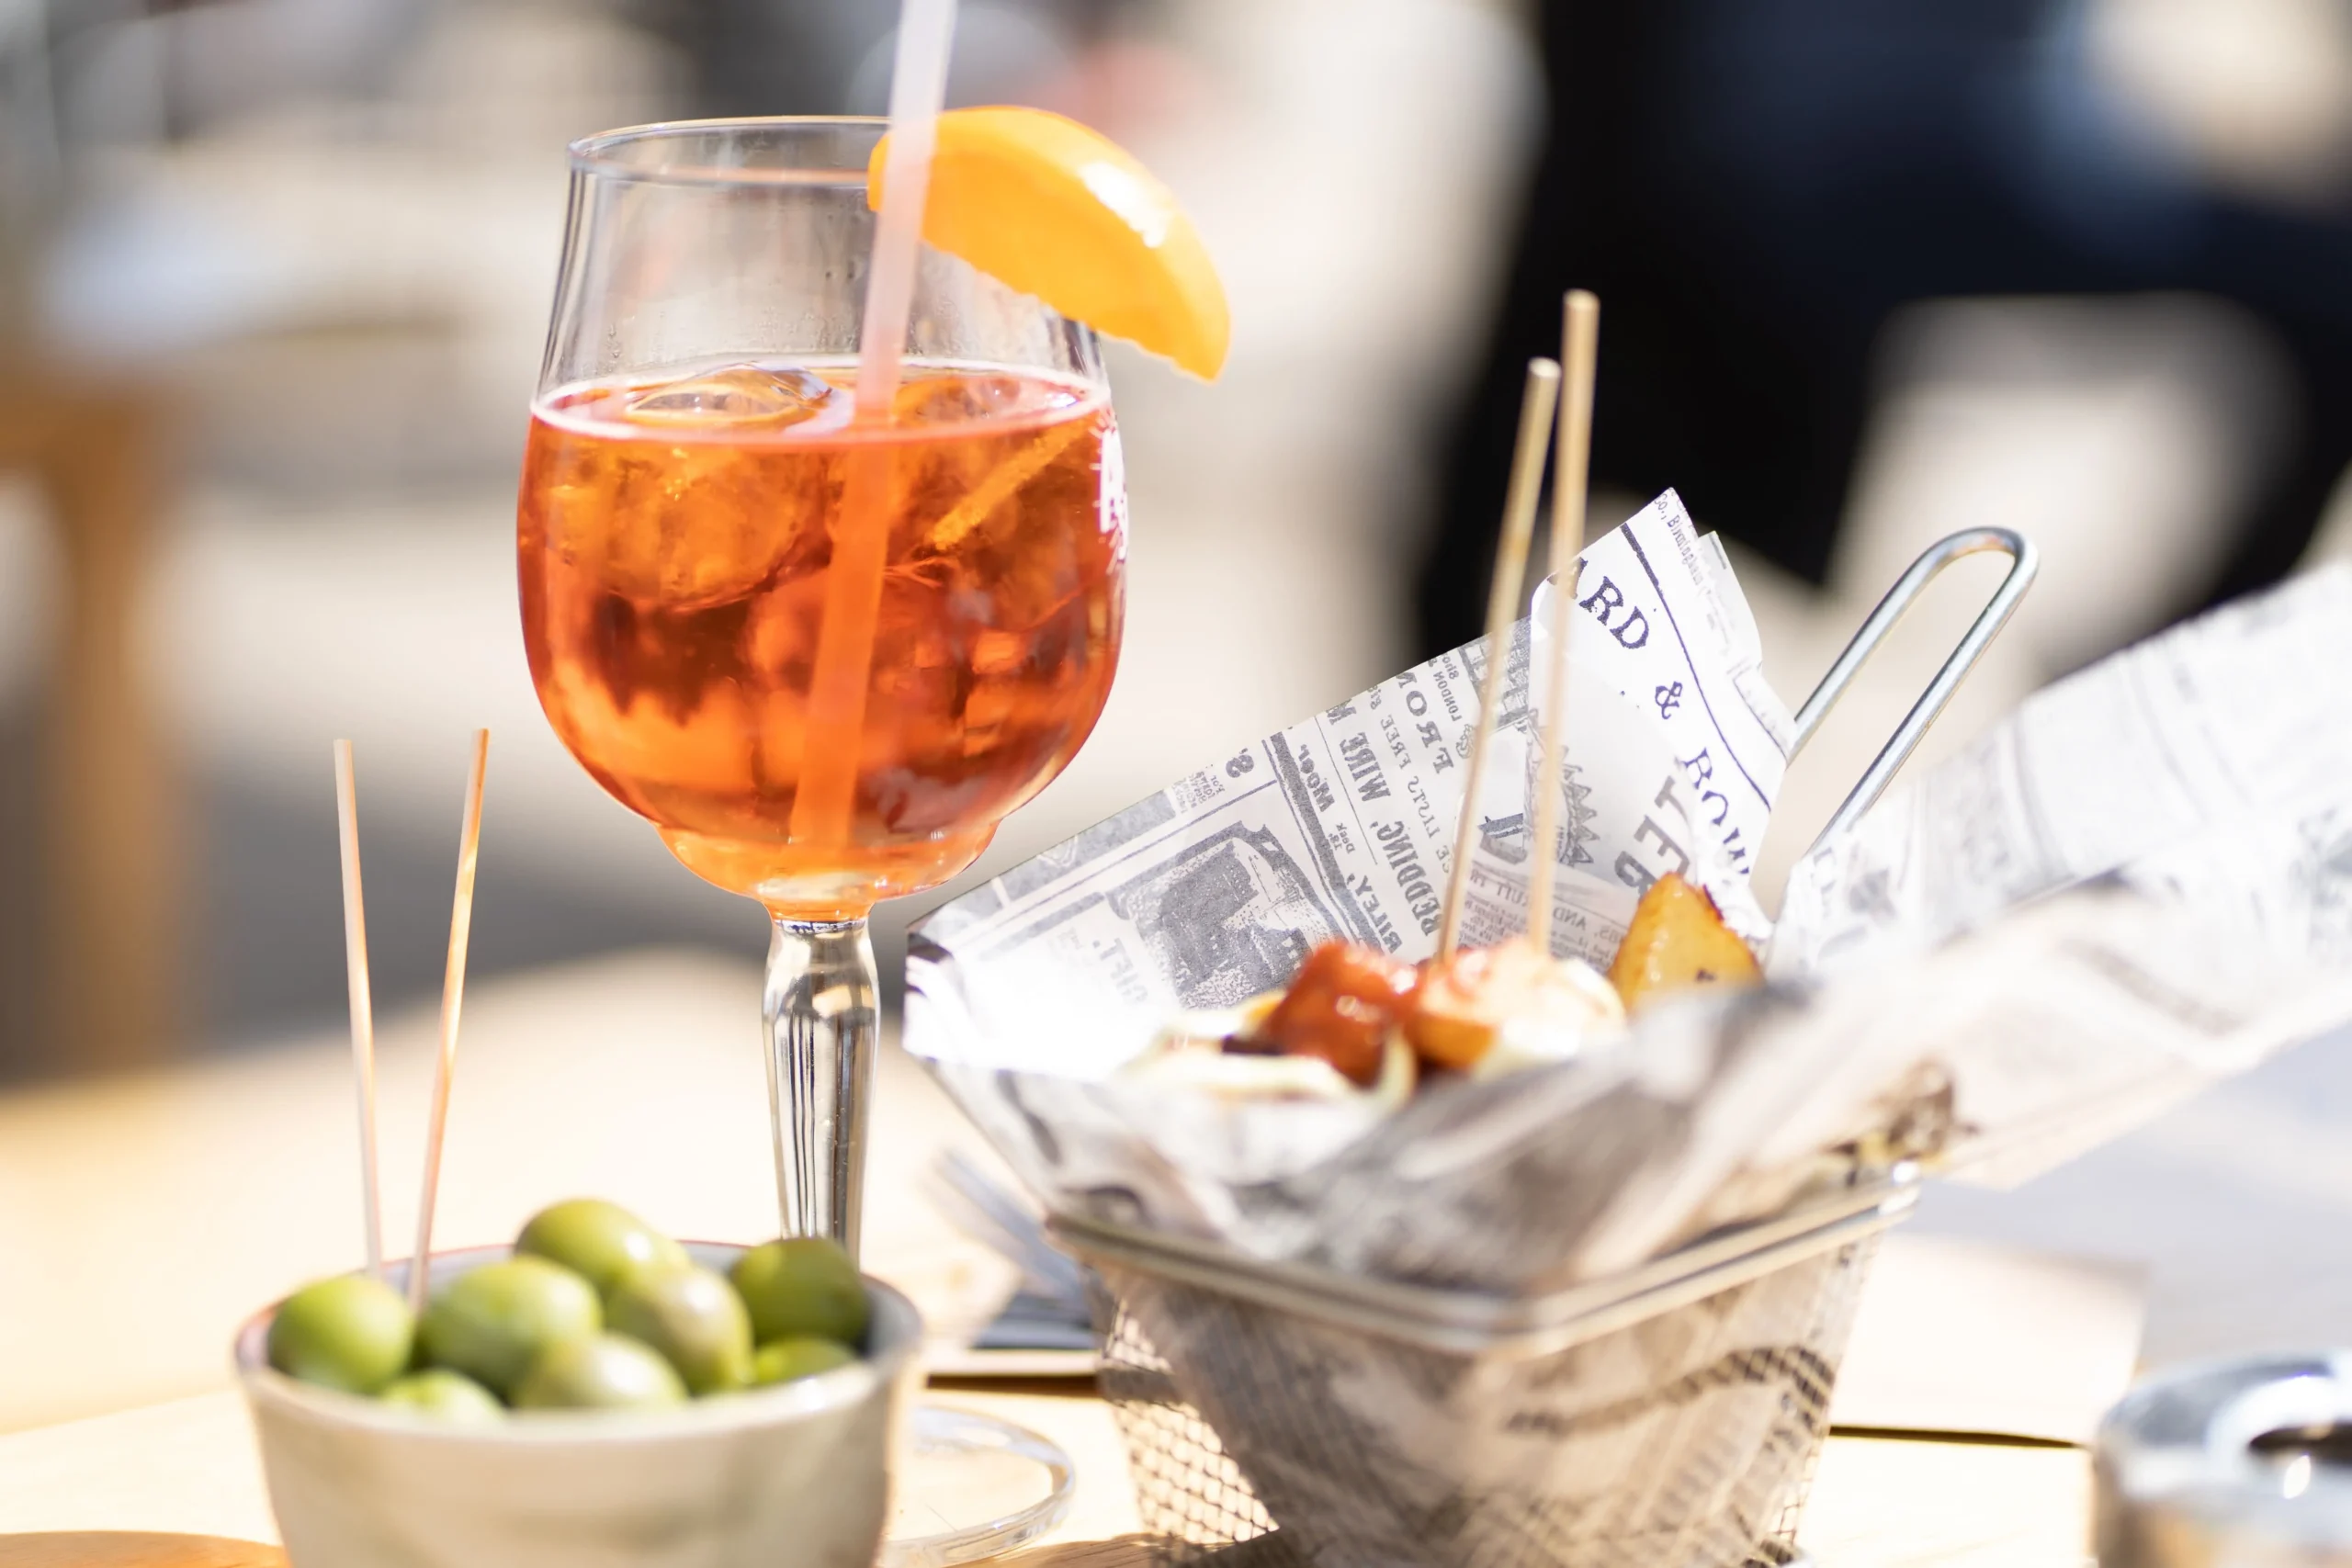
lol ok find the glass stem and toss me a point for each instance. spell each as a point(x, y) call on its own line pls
point(821, 1023)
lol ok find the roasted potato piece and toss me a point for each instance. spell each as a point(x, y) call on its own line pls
point(1467, 1004)
point(1676, 941)
point(1339, 1008)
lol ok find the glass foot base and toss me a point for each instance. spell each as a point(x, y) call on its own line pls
point(972, 1487)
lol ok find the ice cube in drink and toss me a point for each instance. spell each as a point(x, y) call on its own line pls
point(675, 543)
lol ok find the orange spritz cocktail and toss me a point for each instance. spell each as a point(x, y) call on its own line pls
point(826, 610)
point(676, 540)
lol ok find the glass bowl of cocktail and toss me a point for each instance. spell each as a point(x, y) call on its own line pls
point(822, 537)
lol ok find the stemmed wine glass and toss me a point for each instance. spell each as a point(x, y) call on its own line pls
point(702, 506)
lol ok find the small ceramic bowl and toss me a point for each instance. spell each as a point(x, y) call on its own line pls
point(795, 1476)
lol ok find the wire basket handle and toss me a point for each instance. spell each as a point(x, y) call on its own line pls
point(2024, 561)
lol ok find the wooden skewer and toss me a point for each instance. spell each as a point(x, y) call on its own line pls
point(453, 995)
point(362, 1007)
point(1535, 405)
point(1579, 347)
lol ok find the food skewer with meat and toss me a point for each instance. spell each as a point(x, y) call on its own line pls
point(1356, 1020)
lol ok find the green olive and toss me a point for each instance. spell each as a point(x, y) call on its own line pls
point(802, 1356)
point(491, 1322)
point(353, 1333)
point(445, 1396)
point(802, 1285)
point(603, 1243)
point(599, 1371)
point(694, 1318)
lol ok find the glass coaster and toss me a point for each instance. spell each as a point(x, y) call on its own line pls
point(973, 1487)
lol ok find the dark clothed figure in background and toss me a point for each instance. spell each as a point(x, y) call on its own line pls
point(1752, 187)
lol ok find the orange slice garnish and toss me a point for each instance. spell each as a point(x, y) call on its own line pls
point(1057, 211)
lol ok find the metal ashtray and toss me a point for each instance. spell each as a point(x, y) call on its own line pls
point(2245, 1462)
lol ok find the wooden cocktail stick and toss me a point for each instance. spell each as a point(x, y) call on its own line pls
point(1535, 405)
point(453, 996)
point(1579, 346)
point(362, 1007)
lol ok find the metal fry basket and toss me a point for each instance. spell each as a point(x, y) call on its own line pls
point(1669, 1416)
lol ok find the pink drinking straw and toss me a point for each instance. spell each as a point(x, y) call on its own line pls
point(918, 89)
point(823, 803)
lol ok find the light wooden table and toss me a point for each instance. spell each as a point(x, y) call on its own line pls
point(188, 1467)
point(157, 1210)
point(142, 1217)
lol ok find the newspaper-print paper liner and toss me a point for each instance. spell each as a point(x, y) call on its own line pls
point(1030, 993)
point(2015, 1030)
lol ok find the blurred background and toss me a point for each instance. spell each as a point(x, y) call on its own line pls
point(274, 277)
